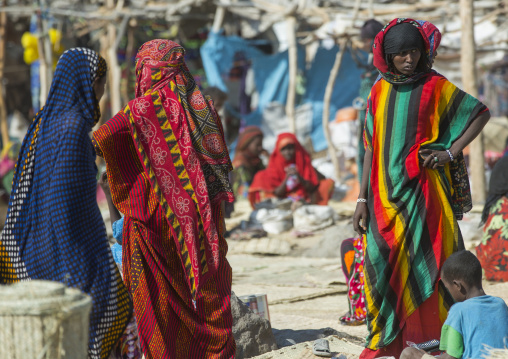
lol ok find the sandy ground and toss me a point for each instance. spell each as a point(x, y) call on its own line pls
point(304, 283)
point(303, 280)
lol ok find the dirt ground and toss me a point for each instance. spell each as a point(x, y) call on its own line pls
point(304, 283)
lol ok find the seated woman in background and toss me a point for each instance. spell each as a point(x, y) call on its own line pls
point(491, 251)
point(247, 162)
point(290, 175)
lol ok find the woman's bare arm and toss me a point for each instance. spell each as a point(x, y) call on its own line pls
point(362, 212)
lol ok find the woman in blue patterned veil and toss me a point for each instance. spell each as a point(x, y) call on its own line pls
point(54, 229)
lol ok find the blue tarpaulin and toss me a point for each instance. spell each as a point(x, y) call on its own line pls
point(346, 89)
point(272, 78)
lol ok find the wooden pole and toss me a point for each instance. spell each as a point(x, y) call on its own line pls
point(343, 44)
point(356, 9)
point(370, 8)
point(129, 54)
point(220, 13)
point(43, 65)
point(293, 69)
point(114, 72)
point(48, 50)
point(332, 151)
point(3, 105)
point(104, 44)
point(470, 85)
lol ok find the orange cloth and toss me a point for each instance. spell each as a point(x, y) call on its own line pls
point(325, 191)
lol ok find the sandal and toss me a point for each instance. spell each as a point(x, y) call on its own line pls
point(321, 348)
point(348, 320)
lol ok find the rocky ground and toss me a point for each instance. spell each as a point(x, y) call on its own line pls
point(303, 280)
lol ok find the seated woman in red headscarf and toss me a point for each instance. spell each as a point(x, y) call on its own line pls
point(290, 175)
point(247, 162)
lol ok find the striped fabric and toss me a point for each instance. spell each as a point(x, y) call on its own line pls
point(412, 227)
point(54, 229)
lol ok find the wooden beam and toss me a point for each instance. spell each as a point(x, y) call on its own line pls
point(343, 45)
point(43, 65)
point(293, 71)
point(114, 68)
point(3, 105)
point(48, 49)
point(129, 65)
point(470, 85)
point(332, 151)
point(220, 13)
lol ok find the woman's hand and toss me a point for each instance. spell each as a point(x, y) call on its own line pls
point(291, 171)
point(360, 218)
point(430, 157)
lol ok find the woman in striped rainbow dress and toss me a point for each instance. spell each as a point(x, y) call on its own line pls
point(417, 125)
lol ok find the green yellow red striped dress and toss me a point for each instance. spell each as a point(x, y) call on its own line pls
point(412, 226)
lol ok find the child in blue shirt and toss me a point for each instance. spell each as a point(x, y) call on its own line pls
point(475, 320)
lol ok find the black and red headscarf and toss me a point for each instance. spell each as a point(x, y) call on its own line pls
point(380, 56)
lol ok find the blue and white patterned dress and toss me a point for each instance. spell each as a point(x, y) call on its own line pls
point(54, 229)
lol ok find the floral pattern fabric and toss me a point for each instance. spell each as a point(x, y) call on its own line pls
point(356, 295)
point(493, 250)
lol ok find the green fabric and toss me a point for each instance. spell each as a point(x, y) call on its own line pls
point(451, 342)
point(7, 181)
point(411, 228)
point(242, 177)
point(368, 79)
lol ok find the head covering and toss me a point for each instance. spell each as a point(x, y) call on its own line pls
point(380, 58)
point(401, 38)
point(284, 140)
point(77, 69)
point(370, 29)
point(54, 229)
point(242, 158)
point(246, 137)
point(498, 186)
point(162, 57)
point(100, 70)
point(275, 172)
point(180, 143)
point(433, 35)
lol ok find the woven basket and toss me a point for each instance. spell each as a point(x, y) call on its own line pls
point(43, 320)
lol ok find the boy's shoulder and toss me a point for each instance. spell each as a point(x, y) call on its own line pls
point(484, 300)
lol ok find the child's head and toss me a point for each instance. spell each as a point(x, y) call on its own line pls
point(461, 274)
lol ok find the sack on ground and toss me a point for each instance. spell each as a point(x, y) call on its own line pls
point(312, 218)
point(273, 221)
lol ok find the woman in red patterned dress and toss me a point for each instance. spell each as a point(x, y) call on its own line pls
point(168, 170)
point(493, 250)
